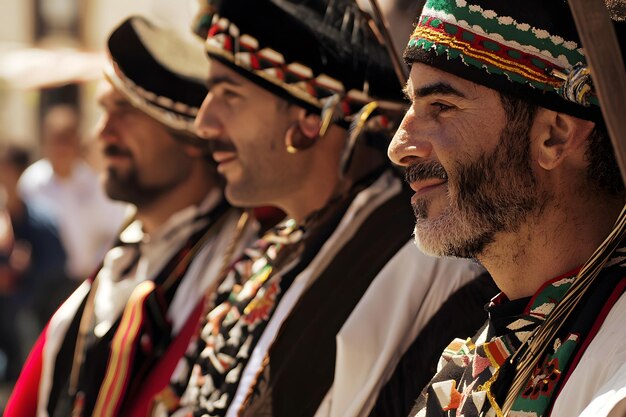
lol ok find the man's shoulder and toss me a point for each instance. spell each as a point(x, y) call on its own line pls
point(599, 379)
point(36, 175)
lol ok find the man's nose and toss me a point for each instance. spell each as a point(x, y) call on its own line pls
point(206, 124)
point(104, 130)
point(410, 143)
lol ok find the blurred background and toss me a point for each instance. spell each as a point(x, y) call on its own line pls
point(50, 52)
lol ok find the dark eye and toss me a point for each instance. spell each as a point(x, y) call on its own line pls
point(440, 107)
point(230, 94)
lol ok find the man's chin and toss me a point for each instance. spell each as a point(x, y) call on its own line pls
point(427, 245)
point(440, 243)
point(238, 198)
point(441, 235)
point(118, 190)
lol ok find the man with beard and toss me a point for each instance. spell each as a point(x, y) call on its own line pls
point(318, 314)
point(505, 148)
point(116, 340)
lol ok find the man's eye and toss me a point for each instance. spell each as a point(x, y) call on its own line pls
point(229, 94)
point(440, 107)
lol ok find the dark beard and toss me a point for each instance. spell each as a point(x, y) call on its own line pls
point(499, 190)
point(495, 193)
point(128, 189)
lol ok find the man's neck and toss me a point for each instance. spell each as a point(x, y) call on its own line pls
point(365, 161)
point(63, 171)
point(559, 240)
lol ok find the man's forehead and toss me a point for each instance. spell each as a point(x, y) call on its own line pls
point(423, 76)
point(220, 73)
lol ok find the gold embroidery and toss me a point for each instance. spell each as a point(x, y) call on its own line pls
point(493, 59)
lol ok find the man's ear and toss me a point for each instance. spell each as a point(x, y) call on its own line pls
point(559, 136)
point(309, 124)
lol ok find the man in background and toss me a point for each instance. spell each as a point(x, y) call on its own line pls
point(116, 340)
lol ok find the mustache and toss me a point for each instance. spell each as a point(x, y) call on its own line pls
point(425, 171)
point(217, 145)
point(114, 150)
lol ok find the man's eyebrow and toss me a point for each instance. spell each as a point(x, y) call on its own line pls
point(115, 103)
point(440, 88)
point(211, 82)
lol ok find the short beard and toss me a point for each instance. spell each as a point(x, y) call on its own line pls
point(127, 186)
point(495, 193)
point(129, 189)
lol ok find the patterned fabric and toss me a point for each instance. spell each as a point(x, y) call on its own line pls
point(243, 305)
point(475, 375)
point(510, 47)
point(115, 363)
point(462, 313)
point(268, 347)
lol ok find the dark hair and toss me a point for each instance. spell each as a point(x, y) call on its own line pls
point(603, 171)
point(15, 156)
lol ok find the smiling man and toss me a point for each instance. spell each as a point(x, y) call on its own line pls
point(510, 163)
point(116, 340)
point(320, 312)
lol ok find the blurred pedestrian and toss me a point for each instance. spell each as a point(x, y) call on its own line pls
point(64, 185)
point(32, 263)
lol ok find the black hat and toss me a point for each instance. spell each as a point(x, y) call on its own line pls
point(306, 51)
point(159, 71)
point(528, 48)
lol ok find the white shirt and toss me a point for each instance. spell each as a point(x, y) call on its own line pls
point(151, 253)
point(597, 387)
point(87, 219)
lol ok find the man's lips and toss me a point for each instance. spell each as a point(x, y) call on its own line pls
point(115, 153)
point(423, 186)
point(223, 157)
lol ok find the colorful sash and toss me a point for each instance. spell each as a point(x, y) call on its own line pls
point(116, 365)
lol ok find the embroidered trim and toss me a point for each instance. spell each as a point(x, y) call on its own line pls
point(432, 33)
point(174, 114)
point(500, 45)
point(225, 41)
point(519, 35)
point(117, 370)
